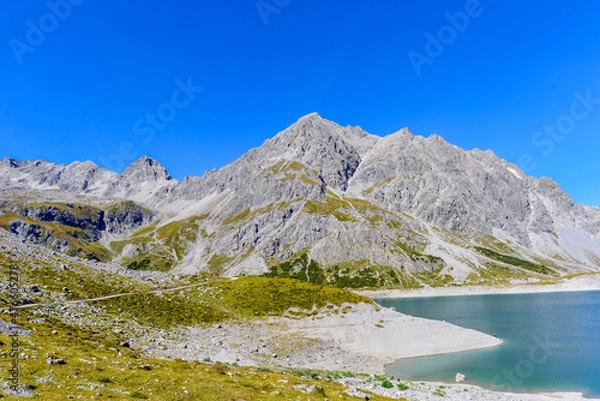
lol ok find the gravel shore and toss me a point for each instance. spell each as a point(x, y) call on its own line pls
point(362, 338)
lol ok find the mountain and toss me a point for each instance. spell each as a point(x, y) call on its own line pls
point(319, 202)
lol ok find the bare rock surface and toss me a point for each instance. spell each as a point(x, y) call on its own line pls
point(338, 193)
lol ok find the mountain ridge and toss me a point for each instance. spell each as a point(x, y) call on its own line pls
point(390, 210)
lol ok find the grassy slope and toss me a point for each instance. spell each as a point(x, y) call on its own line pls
point(263, 296)
point(357, 274)
point(98, 368)
point(511, 260)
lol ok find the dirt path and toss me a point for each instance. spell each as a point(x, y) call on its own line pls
point(125, 294)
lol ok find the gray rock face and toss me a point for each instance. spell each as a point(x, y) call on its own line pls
point(85, 218)
point(126, 216)
point(334, 151)
point(33, 233)
point(146, 169)
point(340, 195)
point(86, 177)
point(68, 227)
point(467, 192)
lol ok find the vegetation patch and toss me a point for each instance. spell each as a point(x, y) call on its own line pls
point(347, 209)
point(355, 274)
point(521, 263)
point(378, 185)
point(435, 278)
point(393, 224)
point(217, 262)
point(265, 296)
point(496, 275)
point(247, 214)
point(285, 170)
point(300, 268)
point(243, 215)
point(160, 248)
point(493, 243)
point(156, 260)
point(98, 368)
point(166, 310)
point(332, 207)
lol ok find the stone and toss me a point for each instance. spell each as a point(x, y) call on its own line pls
point(460, 378)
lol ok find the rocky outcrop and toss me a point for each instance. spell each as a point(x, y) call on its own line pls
point(10, 329)
point(72, 228)
point(126, 216)
point(336, 194)
point(89, 220)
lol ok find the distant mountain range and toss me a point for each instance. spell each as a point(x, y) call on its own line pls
point(319, 202)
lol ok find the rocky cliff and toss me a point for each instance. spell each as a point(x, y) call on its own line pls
point(320, 202)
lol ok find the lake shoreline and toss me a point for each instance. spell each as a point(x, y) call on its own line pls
point(588, 283)
point(578, 284)
point(356, 338)
point(432, 391)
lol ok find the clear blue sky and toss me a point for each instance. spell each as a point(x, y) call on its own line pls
point(78, 92)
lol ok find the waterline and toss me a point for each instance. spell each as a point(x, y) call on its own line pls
point(551, 341)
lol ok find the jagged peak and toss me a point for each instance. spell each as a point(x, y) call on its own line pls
point(436, 138)
point(13, 163)
point(89, 165)
point(147, 167)
point(403, 132)
point(399, 137)
point(307, 128)
point(314, 116)
point(314, 126)
point(440, 141)
point(10, 162)
point(146, 161)
point(311, 120)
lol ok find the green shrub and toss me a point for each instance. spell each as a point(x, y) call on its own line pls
point(402, 386)
point(386, 384)
point(511, 260)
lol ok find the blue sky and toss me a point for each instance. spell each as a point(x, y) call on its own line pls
point(84, 88)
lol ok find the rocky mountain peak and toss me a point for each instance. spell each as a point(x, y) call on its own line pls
point(147, 169)
point(314, 116)
point(9, 162)
point(308, 127)
point(343, 195)
point(83, 166)
point(334, 151)
point(403, 133)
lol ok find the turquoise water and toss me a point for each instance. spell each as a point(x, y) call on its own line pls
point(551, 341)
